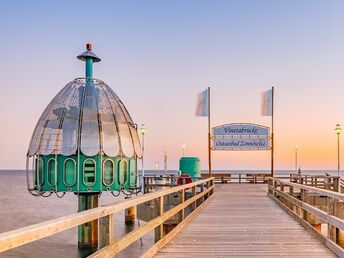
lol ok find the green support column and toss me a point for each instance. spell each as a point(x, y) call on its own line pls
point(88, 232)
point(129, 214)
point(89, 68)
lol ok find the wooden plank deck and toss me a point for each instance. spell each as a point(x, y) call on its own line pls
point(242, 221)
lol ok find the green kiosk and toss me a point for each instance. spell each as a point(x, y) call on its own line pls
point(190, 166)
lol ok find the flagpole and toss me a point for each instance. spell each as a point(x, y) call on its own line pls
point(272, 132)
point(209, 138)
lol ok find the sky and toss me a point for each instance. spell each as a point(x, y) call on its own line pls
point(158, 55)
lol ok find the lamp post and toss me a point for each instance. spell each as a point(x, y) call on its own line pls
point(296, 148)
point(143, 130)
point(183, 148)
point(165, 162)
point(338, 131)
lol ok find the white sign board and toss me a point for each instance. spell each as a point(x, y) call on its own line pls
point(240, 129)
point(241, 144)
point(241, 137)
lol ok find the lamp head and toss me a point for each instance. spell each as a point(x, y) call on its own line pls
point(296, 147)
point(143, 129)
point(338, 129)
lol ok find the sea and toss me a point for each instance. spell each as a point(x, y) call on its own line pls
point(18, 209)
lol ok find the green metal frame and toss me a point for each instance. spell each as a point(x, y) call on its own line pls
point(78, 177)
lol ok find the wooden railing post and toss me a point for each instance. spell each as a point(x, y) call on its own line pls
point(111, 228)
point(326, 182)
point(331, 210)
point(207, 194)
point(291, 193)
point(182, 199)
point(270, 183)
point(340, 214)
point(304, 198)
point(336, 182)
point(161, 211)
point(106, 230)
point(212, 183)
point(193, 194)
point(281, 197)
point(275, 186)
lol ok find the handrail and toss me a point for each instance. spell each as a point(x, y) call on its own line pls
point(321, 191)
point(319, 181)
point(312, 207)
point(21, 236)
point(240, 178)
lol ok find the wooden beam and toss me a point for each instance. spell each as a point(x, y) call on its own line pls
point(295, 201)
point(18, 237)
point(332, 194)
point(131, 237)
point(335, 221)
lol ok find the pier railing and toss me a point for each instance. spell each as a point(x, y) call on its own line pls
point(332, 183)
point(319, 210)
point(200, 193)
point(240, 178)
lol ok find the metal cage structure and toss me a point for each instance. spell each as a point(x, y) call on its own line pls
point(84, 142)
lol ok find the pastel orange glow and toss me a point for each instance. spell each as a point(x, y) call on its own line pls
point(158, 63)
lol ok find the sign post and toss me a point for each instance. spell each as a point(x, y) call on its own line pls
point(272, 132)
point(209, 136)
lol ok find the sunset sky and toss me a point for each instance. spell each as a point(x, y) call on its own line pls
point(158, 55)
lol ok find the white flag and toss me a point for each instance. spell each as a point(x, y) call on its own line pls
point(267, 103)
point(203, 104)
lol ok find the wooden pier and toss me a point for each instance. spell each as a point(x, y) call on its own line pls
point(297, 217)
point(242, 221)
